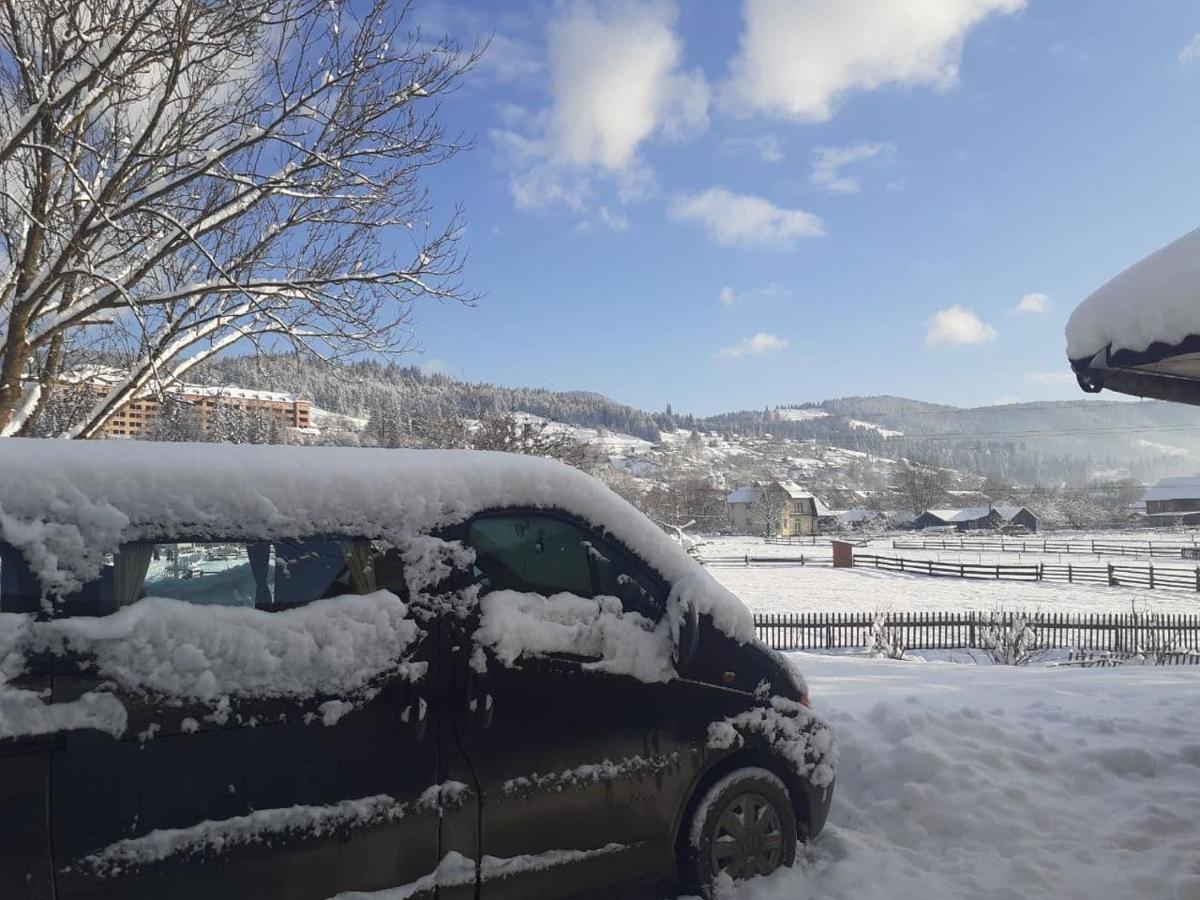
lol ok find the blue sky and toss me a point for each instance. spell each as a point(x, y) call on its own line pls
point(734, 205)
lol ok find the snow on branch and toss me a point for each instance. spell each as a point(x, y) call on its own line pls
point(178, 178)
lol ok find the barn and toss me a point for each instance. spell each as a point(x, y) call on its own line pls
point(974, 518)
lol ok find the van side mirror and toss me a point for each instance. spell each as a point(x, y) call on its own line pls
point(688, 640)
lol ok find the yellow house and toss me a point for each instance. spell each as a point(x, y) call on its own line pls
point(775, 509)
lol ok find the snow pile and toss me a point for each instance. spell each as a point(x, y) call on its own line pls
point(516, 625)
point(25, 713)
point(262, 826)
point(1156, 299)
point(789, 730)
point(998, 782)
point(336, 646)
point(590, 773)
point(456, 870)
point(65, 503)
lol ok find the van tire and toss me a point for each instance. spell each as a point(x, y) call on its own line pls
point(748, 819)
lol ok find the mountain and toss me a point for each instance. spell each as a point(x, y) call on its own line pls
point(1032, 443)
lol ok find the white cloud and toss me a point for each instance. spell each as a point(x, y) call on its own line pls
point(755, 346)
point(772, 291)
point(616, 81)
point(957, 326)
point(828, 162)
point(767, 147)
point(741, 220)
point(799, 58)
point(1050, 378)
point(1191, 52)
point(1032, 303)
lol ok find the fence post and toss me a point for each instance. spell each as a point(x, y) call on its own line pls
point(902, 564)
point(747, 560)
point(930, 566)
point(972, 638)
point(1151, 576)
point(997, 571)
point(1071, 577)
point(1112, 581)
point(1039, 578)
point(1198, 578)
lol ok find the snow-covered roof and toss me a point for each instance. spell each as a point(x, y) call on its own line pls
point(749, 494)
point(972, 513)
point(228, 390)
point(1140, 332)
point(1185, 487)
point(794, 490)
point(1155, 299)
point(63, 503)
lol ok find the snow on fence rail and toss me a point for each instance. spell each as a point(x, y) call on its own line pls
point(1116, 632)
point(1112, 574)
point(1088, 548)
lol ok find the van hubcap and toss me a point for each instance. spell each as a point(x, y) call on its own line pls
point(748, 840)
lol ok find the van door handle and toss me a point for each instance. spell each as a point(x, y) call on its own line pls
point(480, 702)
point(414, 713)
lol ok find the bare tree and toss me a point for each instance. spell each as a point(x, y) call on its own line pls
point(770, 510)
point(180, 178)
point(922, 487)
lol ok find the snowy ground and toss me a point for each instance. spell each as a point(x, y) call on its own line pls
point(821, 588)
point(817, 587)
point(989, 782)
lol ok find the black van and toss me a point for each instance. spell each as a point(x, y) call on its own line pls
point(231, 671)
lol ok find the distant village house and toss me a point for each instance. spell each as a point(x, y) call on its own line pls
point(776, 509)
point(973, 518)
point(1174, 501)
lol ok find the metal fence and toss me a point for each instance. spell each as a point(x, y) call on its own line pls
point(1115, 632)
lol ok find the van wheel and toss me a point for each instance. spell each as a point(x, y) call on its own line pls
point(744, 826)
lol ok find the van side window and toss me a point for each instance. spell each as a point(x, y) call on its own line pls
point(617, 577)
point(265, 574)
point(530, 553)
point(269, 575)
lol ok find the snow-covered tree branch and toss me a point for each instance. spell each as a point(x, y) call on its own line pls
point(180, 178)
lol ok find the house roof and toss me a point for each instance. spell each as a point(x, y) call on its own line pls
point(1139, 334)
point(748, 494)
point(1185, 487)
point(973, 513)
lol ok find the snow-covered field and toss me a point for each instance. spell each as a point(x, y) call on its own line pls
point(821, 588)
point(817, 587)
point(961, 782)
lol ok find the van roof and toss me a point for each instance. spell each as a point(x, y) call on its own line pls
point(65, 503)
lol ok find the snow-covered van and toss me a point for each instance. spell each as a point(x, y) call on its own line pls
point(239, 671)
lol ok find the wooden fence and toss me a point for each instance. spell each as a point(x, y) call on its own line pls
point(748, 560)
point(1112, 574)
point(1116, 632)
point(1088, 548)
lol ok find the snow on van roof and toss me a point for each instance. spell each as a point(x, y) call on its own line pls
point(1156, 300)
point(66, 503)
